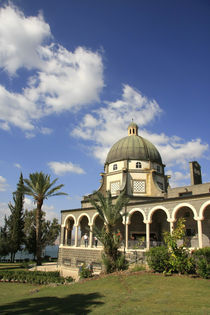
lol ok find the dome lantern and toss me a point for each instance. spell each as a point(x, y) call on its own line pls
point(133, 129)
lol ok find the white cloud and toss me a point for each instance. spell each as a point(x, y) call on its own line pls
point(20, 38)
point(48, 209)
point(61, 80)
point(61, 168)
point(108, 124)
point(3, 183)
point(17, 165)
point(46, 131)
point(104, 125)
point(178, 178)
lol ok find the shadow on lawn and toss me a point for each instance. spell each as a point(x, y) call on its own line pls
point(71, 304)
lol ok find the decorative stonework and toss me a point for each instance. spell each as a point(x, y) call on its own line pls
point(139, 186)
point(115, 186)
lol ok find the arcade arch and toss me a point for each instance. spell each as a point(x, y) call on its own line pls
point(189, 213)
point(206, 226)
point(158, 225)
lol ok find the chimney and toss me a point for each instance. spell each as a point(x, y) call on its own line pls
point(195, 173)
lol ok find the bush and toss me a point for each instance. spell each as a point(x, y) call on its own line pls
point(181, 262)
point(121, 263)
point(34, 277)
point(158, 259)
point(202, 262)
point(117, 264)
point(86, 271)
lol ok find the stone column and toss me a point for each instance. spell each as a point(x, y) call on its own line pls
point(171, 227)
point(148, 235)
point(200, 233)
point(76, 235)
point(62, 234)
point(66, 236)
point(91, 236)
point(126, 236)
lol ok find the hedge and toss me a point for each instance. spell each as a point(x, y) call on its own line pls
point(34, 277)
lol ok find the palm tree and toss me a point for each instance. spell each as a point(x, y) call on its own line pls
point(111, 214)
point(40, 188)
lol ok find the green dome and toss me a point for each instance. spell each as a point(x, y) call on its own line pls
point(133, 148)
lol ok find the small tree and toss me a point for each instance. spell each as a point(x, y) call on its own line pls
point(49, 231)
point(15, 222)
point(179, 260)
point(109, 235)
point(40, 187)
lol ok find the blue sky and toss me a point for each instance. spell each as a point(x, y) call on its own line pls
point(74, 73)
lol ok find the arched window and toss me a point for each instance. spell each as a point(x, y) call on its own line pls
point(114, 167)
point(138, 164)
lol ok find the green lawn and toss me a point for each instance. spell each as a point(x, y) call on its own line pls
point(6, 266)
point(138, 293)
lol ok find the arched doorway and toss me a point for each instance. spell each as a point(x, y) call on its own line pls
point(158, 226)
point(136, 231)
point(69, 234)
point(99, 224)
point(206, 227)
point(83, 230)
point(191, 236)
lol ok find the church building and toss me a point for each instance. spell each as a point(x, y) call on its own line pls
point(134, 164)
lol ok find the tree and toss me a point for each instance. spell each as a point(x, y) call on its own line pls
point(4, 241)
point(40, 188)
point(109, 235)
point(15, 222)
point(49, 231)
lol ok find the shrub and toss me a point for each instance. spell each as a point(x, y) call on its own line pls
point(86, 271)
point(158, 259)
point(34, 277)
point(202, 262)
point(121, 262)
point(116, 264)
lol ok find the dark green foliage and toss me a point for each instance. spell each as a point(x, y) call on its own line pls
point(14, 225)
point(40, 187)
point(85, 271)
point(109, 236)
point(4, 240)
point(158, 259)
point(202, 262)
point(16, 220)
point(35, 277)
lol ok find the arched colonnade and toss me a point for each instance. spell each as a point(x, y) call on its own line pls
point(141, 231)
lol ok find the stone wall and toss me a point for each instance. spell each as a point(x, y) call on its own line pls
point(75, 257)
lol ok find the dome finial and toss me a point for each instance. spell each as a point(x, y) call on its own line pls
point(133, 129)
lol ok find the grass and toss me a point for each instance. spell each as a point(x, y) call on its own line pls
point(10, 266)
point(136, 293)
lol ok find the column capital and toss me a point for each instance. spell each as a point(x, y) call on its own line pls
point(171, 220)
point(198, 219)
point(147, 221)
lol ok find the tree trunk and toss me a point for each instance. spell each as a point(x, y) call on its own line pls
point(38, 232)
